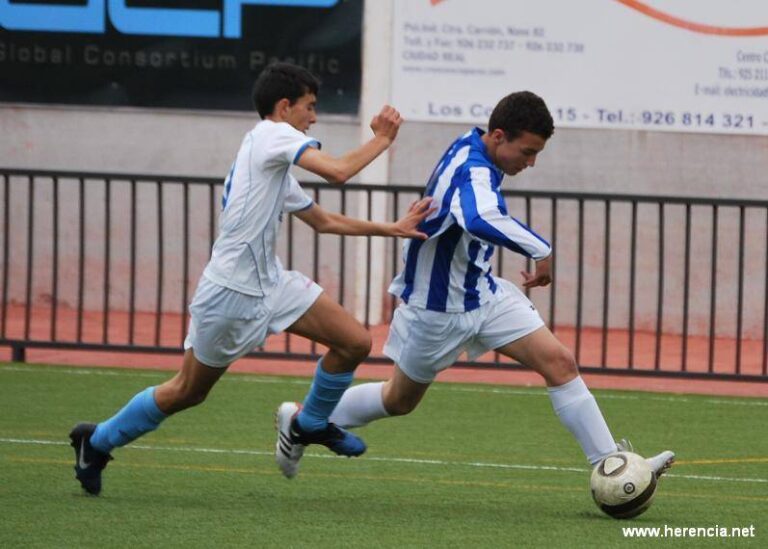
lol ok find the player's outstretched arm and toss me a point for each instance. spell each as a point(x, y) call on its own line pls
point(324, 221)
point(478, 208)
point(385, 126)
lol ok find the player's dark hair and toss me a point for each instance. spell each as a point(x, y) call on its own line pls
point(282, 81)
point(519, 112)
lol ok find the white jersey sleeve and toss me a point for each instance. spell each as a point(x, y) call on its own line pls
point(296, 199)
point(286, 144)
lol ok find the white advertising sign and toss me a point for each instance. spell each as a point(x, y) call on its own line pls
point(666, 65)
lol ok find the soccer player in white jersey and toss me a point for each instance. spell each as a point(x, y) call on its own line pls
point(244, 294)
point(451, 303)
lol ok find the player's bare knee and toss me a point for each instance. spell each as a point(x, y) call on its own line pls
point(358, 348)
point(195, 397)
point(183, 395)
point(562, 368)
point(399, 406)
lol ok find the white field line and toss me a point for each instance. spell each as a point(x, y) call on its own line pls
point(439, 387)
point(747, 401)
point(436, 462)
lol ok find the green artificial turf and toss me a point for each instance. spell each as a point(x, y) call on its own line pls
point(474, 466)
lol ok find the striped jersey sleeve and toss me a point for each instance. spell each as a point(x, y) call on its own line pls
point(479, 209)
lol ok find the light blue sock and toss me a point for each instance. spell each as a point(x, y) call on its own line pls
point(141, 415)
point(322, 398)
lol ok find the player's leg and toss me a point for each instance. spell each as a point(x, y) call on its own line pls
point(348, 342)
point(421, 343)
point(189, 387)
point(368, 402)
point(327, 323)
point(221, 329)
point(543, 352)
point(515, 329)
point(147, 409)
point(141, 415)
point(571, 399)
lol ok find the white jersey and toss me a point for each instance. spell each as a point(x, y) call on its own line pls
point(451, 270)
point(257, 191)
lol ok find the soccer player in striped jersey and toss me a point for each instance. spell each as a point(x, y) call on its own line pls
point(452, 303)
point(245, 294)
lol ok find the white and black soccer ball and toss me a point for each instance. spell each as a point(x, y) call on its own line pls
point(623, 485)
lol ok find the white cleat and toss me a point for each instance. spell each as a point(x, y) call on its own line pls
point(661, 463)
point(287, 452)
point(624, 446)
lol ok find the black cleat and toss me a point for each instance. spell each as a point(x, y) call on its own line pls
point(337, 440)
point(89, 462)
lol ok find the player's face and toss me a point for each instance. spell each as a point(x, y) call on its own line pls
point(301, 115)
point(514, 156)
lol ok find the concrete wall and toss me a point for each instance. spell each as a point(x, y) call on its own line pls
point(136, 141)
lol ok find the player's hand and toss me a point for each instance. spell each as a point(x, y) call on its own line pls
point(417, 212)
point(542, 276)
point(387, 123)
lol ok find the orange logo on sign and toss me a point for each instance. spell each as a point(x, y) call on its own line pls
point(669, 19)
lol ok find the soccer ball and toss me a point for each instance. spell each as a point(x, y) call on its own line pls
point(623, 485)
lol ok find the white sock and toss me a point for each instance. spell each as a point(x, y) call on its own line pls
point(359, 405)
point(578, 411)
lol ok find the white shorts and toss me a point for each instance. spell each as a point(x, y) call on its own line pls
point(226, 324)
point(423, 342)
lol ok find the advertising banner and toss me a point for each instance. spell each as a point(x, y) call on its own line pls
point(189, 54)
point(674, 65)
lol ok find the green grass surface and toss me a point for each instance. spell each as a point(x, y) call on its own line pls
point(474, 466)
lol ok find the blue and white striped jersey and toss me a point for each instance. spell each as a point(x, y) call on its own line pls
point(451, 270)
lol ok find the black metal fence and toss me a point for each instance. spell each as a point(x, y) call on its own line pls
point(646, 285)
